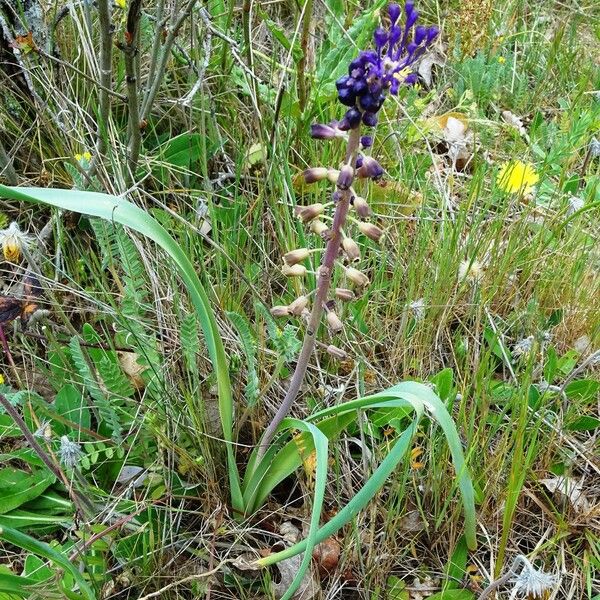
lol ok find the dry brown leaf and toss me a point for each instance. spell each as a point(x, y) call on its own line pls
point(571, 489)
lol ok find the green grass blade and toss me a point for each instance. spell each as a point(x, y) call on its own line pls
point(17, 538)
point(438, 411)
point(121, 211)
point(320, 444)
point(357, 503)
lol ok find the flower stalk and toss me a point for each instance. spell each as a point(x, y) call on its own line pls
point(323, 285)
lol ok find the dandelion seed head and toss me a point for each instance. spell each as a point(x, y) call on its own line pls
point(417, 308)
point(575, 204)
point(523, 346)
point(470, 270)
point(531, 582)
point(13, 242)
point(69, 452)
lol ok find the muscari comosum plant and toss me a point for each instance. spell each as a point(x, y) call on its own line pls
point(372, 77)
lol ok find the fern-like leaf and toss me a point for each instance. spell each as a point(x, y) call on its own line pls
point(105, 410)
point(249, 347)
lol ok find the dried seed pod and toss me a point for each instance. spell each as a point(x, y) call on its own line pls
point(357, 277)
point(336, 352)
point(294, 270)
point(317, 226)
point(296, 256)
point(280, 311)
point(351, 249)
point(310, 212)
point(371, 231)
point(332, 175)
point(298, 305)
point(334, 322)
point(344, 294)
point(361, 207)
point(314, 174)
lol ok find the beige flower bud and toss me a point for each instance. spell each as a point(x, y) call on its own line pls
point(351, 249)
point(298, 305)
point(332, 175)
point(344, 294)
point(336, 352)
point(315, 174)
point(294, 270)
point(308, 213)
point(361, 207)
point(334, 322)
point(296, 256)
point(357, 277)
point(371, 231)
point(317, 226)
point(280, 311)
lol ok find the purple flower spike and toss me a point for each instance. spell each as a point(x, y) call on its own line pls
point(366, 141)
point(373, 74)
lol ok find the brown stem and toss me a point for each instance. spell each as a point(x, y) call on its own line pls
point(130, 49)
point(323, 284)
point(301, 75)
point(104, 9)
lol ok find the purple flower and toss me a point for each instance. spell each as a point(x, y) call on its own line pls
point(374, 74)
point(321, 131)
point(370, 168)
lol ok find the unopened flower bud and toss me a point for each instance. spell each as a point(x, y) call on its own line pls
point(357, 277)
point(351, 249)
point(371, 231)
point(361, 207)
point(296, 256)
point(308, 213)
point(280, 311)
point(345, 294)
point(336, 352)
point(366, 141)
point(297, 307)
point(370, 168)
point(294, 270)
point(334, 322)
point(344, 180)
point(332, 175)
point(319, 131)
point(318, 227)
point(315, 174)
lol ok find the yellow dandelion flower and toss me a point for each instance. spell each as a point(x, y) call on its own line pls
point(121, 3)
point(78, 157)
point(501, 60)
point(1, 379)
point(516, 176)
point(13, 241)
